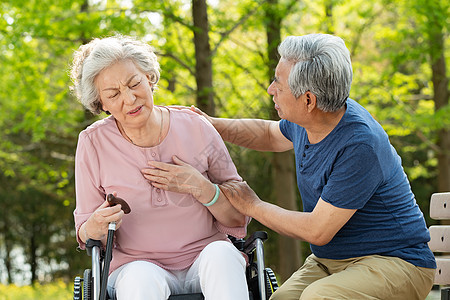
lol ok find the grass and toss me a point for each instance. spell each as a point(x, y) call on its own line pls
point(63, 291)
point(56, 290)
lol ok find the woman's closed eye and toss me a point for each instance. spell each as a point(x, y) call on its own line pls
point(134, 85)
point(113, 95)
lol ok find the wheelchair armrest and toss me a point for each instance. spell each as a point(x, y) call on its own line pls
point(238, 243)
point(91, 244)
point(250, 243)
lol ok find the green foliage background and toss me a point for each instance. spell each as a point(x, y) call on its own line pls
point(392, 49)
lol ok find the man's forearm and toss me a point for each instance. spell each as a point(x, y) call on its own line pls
point(294, 224)
point(317, 227)
point(249, 133)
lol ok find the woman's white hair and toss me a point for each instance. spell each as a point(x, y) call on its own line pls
point(90, 59)
point(322, 66)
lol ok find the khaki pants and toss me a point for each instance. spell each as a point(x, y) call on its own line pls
point(367, 277)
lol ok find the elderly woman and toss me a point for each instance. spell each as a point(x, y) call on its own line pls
point(167, 164)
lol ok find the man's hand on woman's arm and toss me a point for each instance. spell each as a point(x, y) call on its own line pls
point(317, 227)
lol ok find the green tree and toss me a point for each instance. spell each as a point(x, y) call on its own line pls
point(399, 53)
point(283, 164)
point(40, 131)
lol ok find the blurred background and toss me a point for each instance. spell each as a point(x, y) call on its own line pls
point(219, 56)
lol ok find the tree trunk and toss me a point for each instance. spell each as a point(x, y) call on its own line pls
point(33, 255)
point(8, 249)
point(203, 63)
point(283, 175)
point(441, 95)
point(285, 189)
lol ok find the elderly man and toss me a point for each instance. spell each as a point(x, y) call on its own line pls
point(368, 236)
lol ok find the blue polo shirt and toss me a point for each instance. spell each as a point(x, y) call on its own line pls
point(356, 167)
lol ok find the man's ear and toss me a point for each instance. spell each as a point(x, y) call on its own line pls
point(311, 101)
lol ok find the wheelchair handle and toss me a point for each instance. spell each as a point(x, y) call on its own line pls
point(94, 249)
point(250, 243)
point(255, 243)
point(90, 244)
point(260, 265)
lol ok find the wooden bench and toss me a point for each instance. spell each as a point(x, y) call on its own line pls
point(440, 240)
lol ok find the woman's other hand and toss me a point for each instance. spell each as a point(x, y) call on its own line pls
point(96, 227)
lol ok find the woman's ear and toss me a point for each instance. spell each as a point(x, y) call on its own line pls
point(150, 82)
point(102, 107)
point(149, 78)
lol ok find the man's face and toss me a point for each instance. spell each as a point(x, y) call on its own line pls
point(285, 102)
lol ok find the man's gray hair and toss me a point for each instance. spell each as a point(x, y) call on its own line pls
point(322, 66)
point(99, 54)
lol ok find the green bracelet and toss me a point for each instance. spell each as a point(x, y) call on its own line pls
point(216, 196)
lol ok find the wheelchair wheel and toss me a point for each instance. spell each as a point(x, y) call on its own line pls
point(271, 282)
point(87, 284)
point(77, 288)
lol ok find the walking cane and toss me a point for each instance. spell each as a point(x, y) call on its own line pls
point(107, 261)
point(109, 243)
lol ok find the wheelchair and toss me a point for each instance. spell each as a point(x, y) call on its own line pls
point(261, 281)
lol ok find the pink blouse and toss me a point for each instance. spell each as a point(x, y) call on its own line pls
point(166, 228)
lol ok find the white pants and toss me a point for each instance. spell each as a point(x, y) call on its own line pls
point(218, 273)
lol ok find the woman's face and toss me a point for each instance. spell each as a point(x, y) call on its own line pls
point(126, 92)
